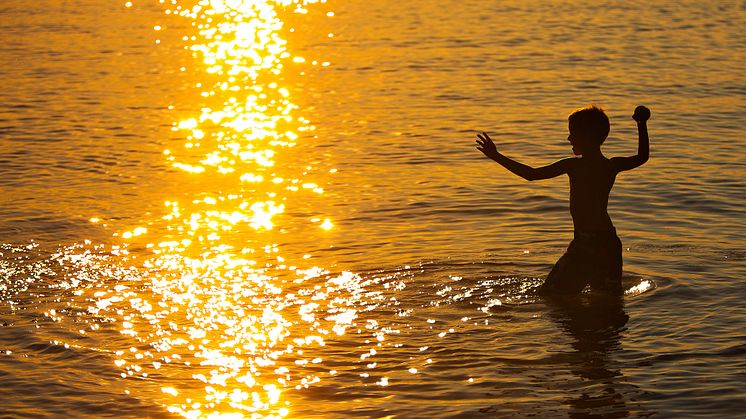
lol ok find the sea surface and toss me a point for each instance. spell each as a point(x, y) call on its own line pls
point(274, 208)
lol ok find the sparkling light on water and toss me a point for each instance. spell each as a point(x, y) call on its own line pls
point(219, 323)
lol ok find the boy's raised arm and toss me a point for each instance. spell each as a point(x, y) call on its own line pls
point(486, 146)
point(641, 115)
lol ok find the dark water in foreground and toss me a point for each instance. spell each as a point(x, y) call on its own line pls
point(259, 209)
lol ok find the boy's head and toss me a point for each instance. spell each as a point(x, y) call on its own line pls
point(589, 127)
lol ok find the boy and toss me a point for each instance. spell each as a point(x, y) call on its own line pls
point(594, 257)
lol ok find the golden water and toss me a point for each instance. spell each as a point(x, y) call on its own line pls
point(270, 208)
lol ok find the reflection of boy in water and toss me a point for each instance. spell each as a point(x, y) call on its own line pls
point(594, 257)
point(595, 326)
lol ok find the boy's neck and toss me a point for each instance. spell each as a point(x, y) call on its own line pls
point(592, 153)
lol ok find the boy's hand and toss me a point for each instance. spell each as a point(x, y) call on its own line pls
point(642, 114)
point(486, 146)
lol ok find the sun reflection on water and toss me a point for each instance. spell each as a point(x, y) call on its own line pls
point(221, 323)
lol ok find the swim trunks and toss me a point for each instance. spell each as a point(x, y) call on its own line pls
point(593, 259)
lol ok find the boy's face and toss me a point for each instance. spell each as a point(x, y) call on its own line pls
point(579, 140)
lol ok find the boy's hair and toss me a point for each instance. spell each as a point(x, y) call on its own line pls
point(591, 120)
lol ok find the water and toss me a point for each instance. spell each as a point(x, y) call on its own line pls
point(195, 222)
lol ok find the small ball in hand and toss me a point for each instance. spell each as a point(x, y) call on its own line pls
point(641, 114)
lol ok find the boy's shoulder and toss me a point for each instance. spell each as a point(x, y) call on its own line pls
point(569, 163)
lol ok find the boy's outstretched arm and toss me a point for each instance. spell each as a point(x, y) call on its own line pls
point(641, 115)
point(486, 146)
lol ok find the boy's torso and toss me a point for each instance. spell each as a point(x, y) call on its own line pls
point(591, 180)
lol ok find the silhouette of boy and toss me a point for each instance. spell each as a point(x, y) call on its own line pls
point(594, 257)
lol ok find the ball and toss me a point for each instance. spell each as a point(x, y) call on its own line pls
point(641, 113)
